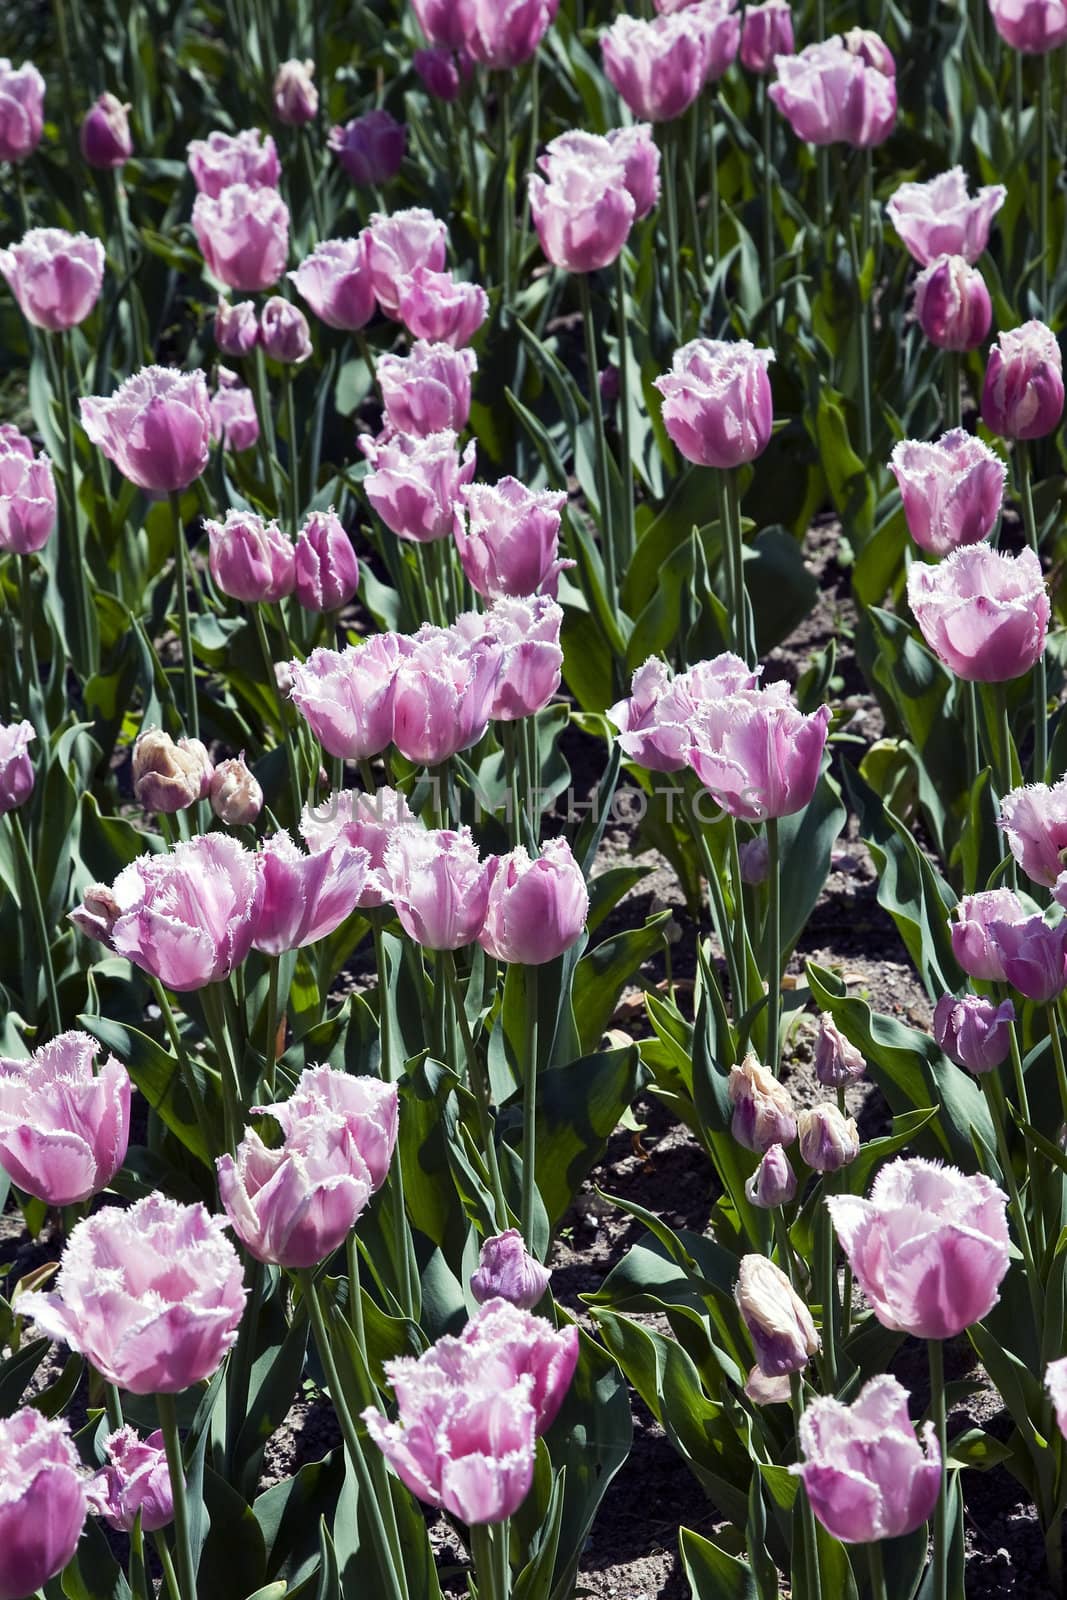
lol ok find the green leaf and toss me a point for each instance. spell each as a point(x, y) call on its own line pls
point(978, 1449)
point(602, 974)
point(160, 1078)
point(579, 1106)
point(712, 1574)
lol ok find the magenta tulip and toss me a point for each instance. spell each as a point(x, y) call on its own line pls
point(21, 110)
point(394, 246)
point(757, 755)
point(250, 559)
point(982, 613)
point(972, 941)
point(778, 1322)
point(654, 722)
point(446, 23)
point(536, 908)
point(1033, 956)
point(233, 413)
point(428, 390)
point(952, 304)
point(363, 821)
point(27, 494)
point(1034, 27)
point(63, 1128)
point(284, 332)
point(434, 306)
point(417, 484)
point(370, 148)
point(717, 403)
point(16, 768)
point(335, 281)
point(443, 72)
point(43, 1502)
point(293, 93)
point(156, 428)
point(306, 897)
point(327, 571)
point(368, 1108)
point(973, 1032)
point(346, 697)
point(766, 32)
point(940, 218)
point(508, 538)
point(658, 67)
point(507, 1271)
point(236, 327)
point(54, 276)
point(223, 160)
point(1022, 396)
point(774, 1183)
point(443, 693)
point(952, 490)
point(438, 885)
point(104, 135)
point(829, 94)
point(135, 1483)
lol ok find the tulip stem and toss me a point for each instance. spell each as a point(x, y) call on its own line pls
point(768, 213)
point(673, 265)
point(785, 1249)
point(271, 1051)
point(507, 194)
point(294, 450)
point(1026, 496)
point(739, 930)
point(994, 1094)
point(168, 1421)
point(974, 763)
point(829, 1297)
point(937, 1414)
point(483, 1555)
point(529, 1111)
point(113, 1406)
point(1057, 1057)
point(32, 903)
point(364, 1480)
point(628, 539)
point(878, 1588)
point(723, 926)
point(279, 706)
point(774, 946)
point(30, 674)
point(312, 177)
point(170, 1577)
point(713, 178)
point(480, 1085)
point(214, 1015)
point(268, 448)
point(1043, 119)
point(607, 530)
point(83, 632)
point(139, 1585)
point(811, 1538)
point(181, 580)
point(953, 413)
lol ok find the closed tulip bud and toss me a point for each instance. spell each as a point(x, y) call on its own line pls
point(754, 858)
point(837, 1062)
point(327, 572)
point(43, 1503)
point(243, 236)
point(54, 276)
point(865, 1473)
point(1022, 396)
point(370, 148)
point(236, 796)
point(438, 885)
point(284, 332)
point(435, 307)
point(828, 1139)
point(427, 390)
point(1034, 822)
point(974, 1033)
point(831, 94)
point(396, 245)
point(250, 559)
point(417, 483)
point(972, 941)
point(778, 1322)
point(21, 110)
point(156, 427)
point(1033, 27)
point(169, 776)
point(1056, 1384)
point(872, 50)
point(1032, 954)
point(764, 1391)
point(928, 1248)
point(983, 613)
point(136, 1483)
point(346, 697)
point(940, 218)
point(306, 897)
point(507, 1271)
point(236, 327)
point(717, 403)
point(336, 283)
point(105, 134)
point(294, 95)
point(952, 304)
point(774, 1183)
point(952, 490)
point(444, 72)
point(762, 1107)
point(766, 32)
point(64, 1128)
point(224, 160)
point(233, 413)
point(27, 494)
point(508, 538)
point(16, 768)
point(536, 908)
point(446, 23)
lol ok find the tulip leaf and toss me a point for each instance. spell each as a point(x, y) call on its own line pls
point(712, 1574)
point(288, 1512)
point(579, 1106)
point(602, 974)
point(978, 1449)
point(161, 1079)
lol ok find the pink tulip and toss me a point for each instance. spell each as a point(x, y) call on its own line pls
point(251, 560)
point(368, 1108)
point(243, 236)
point(972, 942)
point(284, 332)
point(717, 403)
point(507, 1347)
point(222, 160)
point(16, 768)
point(187, 917)
point(417, 484)
point(871, 49)
point(236, 327)
point(370, 148)
point(583, 215)
point(54, 276)
point(658, 67)
point(305, 898)
point(536, 908)
point(294, 95)
point(766, 32)
point(136, 1483)
point(506, 33)
point(829, 94)
point(527, 634)
point(435, 307)
point(394, 246)
point(438, 885)
point(1034, 821)
point(43, 1503)
point(973, 1032)
point(21, 110)
point(1056, 1384)
point(507, 1271)
point(63, 1129)
point(1034, 27)
point(654, 722)
point(104, 136)
point(1022, 397)
point(327, 572)
point(27, 495)
point(443, 72)
point(233, 413)
point(778, 1322)
point(362, 821)
point(763, 1113)
point(156, 427)
point(865, 1473)
point(336, 283)
point(1033, 955)
point(952, 304)
point(428, 390)
point(235, 794)
point(346, 697)
point(758, 755)
point(952, 490)
point(508, 538)
point(443, 694)
point(826, 1138)
point(151, 1296)
point(774, 1183)
point(983, 613)
point(722, 33)
point(169, 776)
point(940, 218)
point(639, 155)
point(928, 1248)
point(837, 1062)
point(447, 23)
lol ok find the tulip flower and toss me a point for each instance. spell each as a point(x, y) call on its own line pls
point(305, 897)
point(940, 218)
point(754, 861)
point(370, 148)
point(871, 49)
point(443, 72)
point(156, 427)
point(438, 885)
point(443, 693)
point(983, 613)
point(757, 755)
point(43, 1503)
point(428, 390)
point(368, 1108)
point(952, 490)
point(952, 304)
point(63, 1128)
point(243, 235)
point(54, 276)
point(233, 413)
point(507, 1271)
point(866, 1474)
point(658, 67)
point(169, 776)
point(135, 1483)
point(235, 794)
point(763, 1113)
point(435, 307)
point(764, 1391)
point(188, 917)
point(536, 908)
point(21, 110)
point(1034, 27)
point(346, 697)
point(27, 494)
point(778, 1322)
point(973, 1032)
point(222, 160)
point(284, 332)
point(506, 33)
point(250, 559)
point(583, 214)
point(394, 246)
point(104, 136)
point(928, 1248)
point(294, 95)
point(508, 538)
point(774, 1183)
point(446, 23)
point(335, 281)
point(16, 768)
point(151, 1296)
point(717, 404)
point(653, 723)
point(417, 484)
point(236, 327)
point(363, 821)
point(1056, 1384)
point(527, 633)
point(972, 941)
point(829, 94)
point(1022, 396)
point(766, 32)
point(327, 572)
point(837, 1062)
point(827, 1139)
point(1034, 822)
point(1033, 956)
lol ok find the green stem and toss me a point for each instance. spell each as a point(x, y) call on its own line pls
point(829, 1296)
point(168, 1421)
point(974, 764)
point(395, 1184)
point(83, 635)
point(864, 310)
point(239, 1373)
point(723, 925)
point(271, 1051)
point(1044, 242)
point(475, 192)
point(313, 180)
point(1026, 496)
point(139, 1584)
point(268, 444)
point(181, 579)
point(713, 176)
point(32, 894)
point(294, 450)
point(483, 1554)
point(773, 944)
point(30, 671)
point(213, 1007)
point(785, 1249)
point(607, 542)
point(113, 1407)
point(673, 264)
point(170, 1577)
point(480, 1086)
point(878, 1588)
point(507, 193)
point(952, 388)
point(1057, 1057)
point(990, 1082)
point(937, 1413)
point(534, 137)
point(740, 921)
point(768, 213)
point(529, 1110)
point(279, 707)
point(811, 1544)
point(627, 538)
point(733, 604)
point(689, 168)
point(746, 616)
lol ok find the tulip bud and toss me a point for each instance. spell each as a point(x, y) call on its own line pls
point(443, 72)
point(236, 797)
point(1056, 1384)
point(755, 860)
point(974, 1033)
point(105, 134)
point(972, 942)
point(764, 1391)
point(778, 1322)
point(370, 148)
point(236, 328)
point(168, 777)
point(1033, 956)
point(774, 1183)
point(284, 332)
point(837, 1062)
point(1022, 397)
point(952, 304)
point(296, 99)
point(828, 1139)
point(766, 32)
point(16, 768)
point(536, 909)
point(763, 1110)
point(137, 1482)
point(251, 560)
point(507, 1271)
point(327, 572)
point(42, 1496)
point(717, 402)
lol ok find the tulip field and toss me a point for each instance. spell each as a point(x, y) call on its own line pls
point(533, 800)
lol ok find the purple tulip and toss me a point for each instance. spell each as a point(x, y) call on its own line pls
point(443, 72)
point(972, 941)
point(763, 1113)
point(508, 538)
point(394, 246)
point(428, 390)
point(1034, 821)
point(774, 1183)
point(837, 1062)
point(778, 1322)
point(63, 1128)
point(754, 861)
point(829, 94)
point(243, 236)
point(294, 95)
point(250, 559)
point(16, 768)
point(435, 307)
point(156, 427)
point(284, 332)
point(104, 135)
point(417, 484)
point(952, 490)
point(335, 281)
point(756, 754)
point(952, 304)
point(438, 885)
point(1034, 27)
point(54, 276)
point(766, 32)
point(1022, 396)
point(982, 613)
point(446, 23)
point(236, 327)
point(21, 110)
point(346, 697)
point(327, 571)
point(43, 1502)
point(27, 494)
point(305, 897)
point(717, 403)
point(1033, 956)
point(940, 218)
point(507, 1271)
point(368, 1108)
point(506, 33)
point(233, 413)
point(827, 1139)
point(222, 160)
point(136, 1483)
point(973, 1032)
point(370, 148)
point(536, 908)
